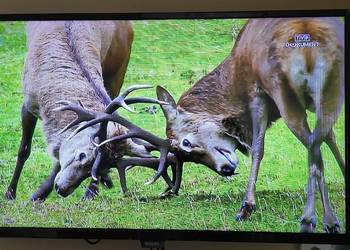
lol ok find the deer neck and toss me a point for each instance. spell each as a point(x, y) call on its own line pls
point(219, 95)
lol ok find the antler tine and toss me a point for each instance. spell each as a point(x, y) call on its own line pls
point(70, 125)
point(177, 177)
point(116, 138)
point(161, 166)
point(135, 131)
point(95, 167)
point(147, 145)
point(120, 100)
point(91, 122)
point(135, 87)
point(133, 100)
point(94, 117)
point(82, 113)
point(124, 164)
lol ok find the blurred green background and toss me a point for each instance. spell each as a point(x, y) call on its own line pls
point(174, 54)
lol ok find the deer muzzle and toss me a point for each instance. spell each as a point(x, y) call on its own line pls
point(227, 168)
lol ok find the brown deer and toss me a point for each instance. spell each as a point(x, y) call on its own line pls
point(84, 63)
point(268, 75)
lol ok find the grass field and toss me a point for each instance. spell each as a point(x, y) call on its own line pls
point(174, 54)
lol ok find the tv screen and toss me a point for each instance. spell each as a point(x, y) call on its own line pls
point(210, 126)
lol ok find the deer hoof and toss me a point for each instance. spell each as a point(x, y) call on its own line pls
point(10, 194)
point(90, 194)
point(308, 226)
point(245, 212)
point(168, 193)
point(37, 198)
point(331, 229)
point(127, 194)
point(242, 216)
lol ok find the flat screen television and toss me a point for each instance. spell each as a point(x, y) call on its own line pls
point(238, 120)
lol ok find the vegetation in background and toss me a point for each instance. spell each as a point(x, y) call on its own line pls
point(174, 54)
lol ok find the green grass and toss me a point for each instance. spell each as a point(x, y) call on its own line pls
point(174, 54)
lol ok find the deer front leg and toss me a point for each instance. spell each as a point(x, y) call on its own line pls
point(92, 190)
point(259, 119)
point(45, 189)
point(28, 126)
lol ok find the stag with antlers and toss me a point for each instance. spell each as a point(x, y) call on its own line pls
point(260, 81)
point(69, 177)
point(83, 63)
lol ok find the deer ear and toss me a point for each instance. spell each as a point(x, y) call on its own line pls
point(169, 109)
point(231, 125)
point(234, 127)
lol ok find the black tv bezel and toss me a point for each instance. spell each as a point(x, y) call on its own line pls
point(195, 235)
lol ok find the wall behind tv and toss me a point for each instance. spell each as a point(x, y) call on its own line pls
point(42, 6)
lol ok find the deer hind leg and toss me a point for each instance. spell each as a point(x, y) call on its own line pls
point(296, 120)
point(45, 189)
point(327, 111)
point(331, 142)
point(115, 66)
point(294, 115)
point(28, 126)
point(259, 119)
point(113, 83)
point(330, 221)
point(316, 173)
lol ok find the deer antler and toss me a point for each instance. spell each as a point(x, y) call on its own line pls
point(125, 164)
point(79, 109)
point(110, 115)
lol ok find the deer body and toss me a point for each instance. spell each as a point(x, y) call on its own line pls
point(56, 68)
point(81, 61)
point(260, 81)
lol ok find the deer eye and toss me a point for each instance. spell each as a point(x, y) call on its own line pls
point(82, 156)
point(186, 143)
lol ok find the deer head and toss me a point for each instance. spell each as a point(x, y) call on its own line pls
point(77, 156)
point(208, 140)
point(82, 156)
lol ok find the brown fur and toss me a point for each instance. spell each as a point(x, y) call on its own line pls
point(229, 88)
point(261, 80)
point(54, 71)
point(70, 61)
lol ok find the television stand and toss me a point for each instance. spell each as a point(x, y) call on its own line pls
point(152, 244)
